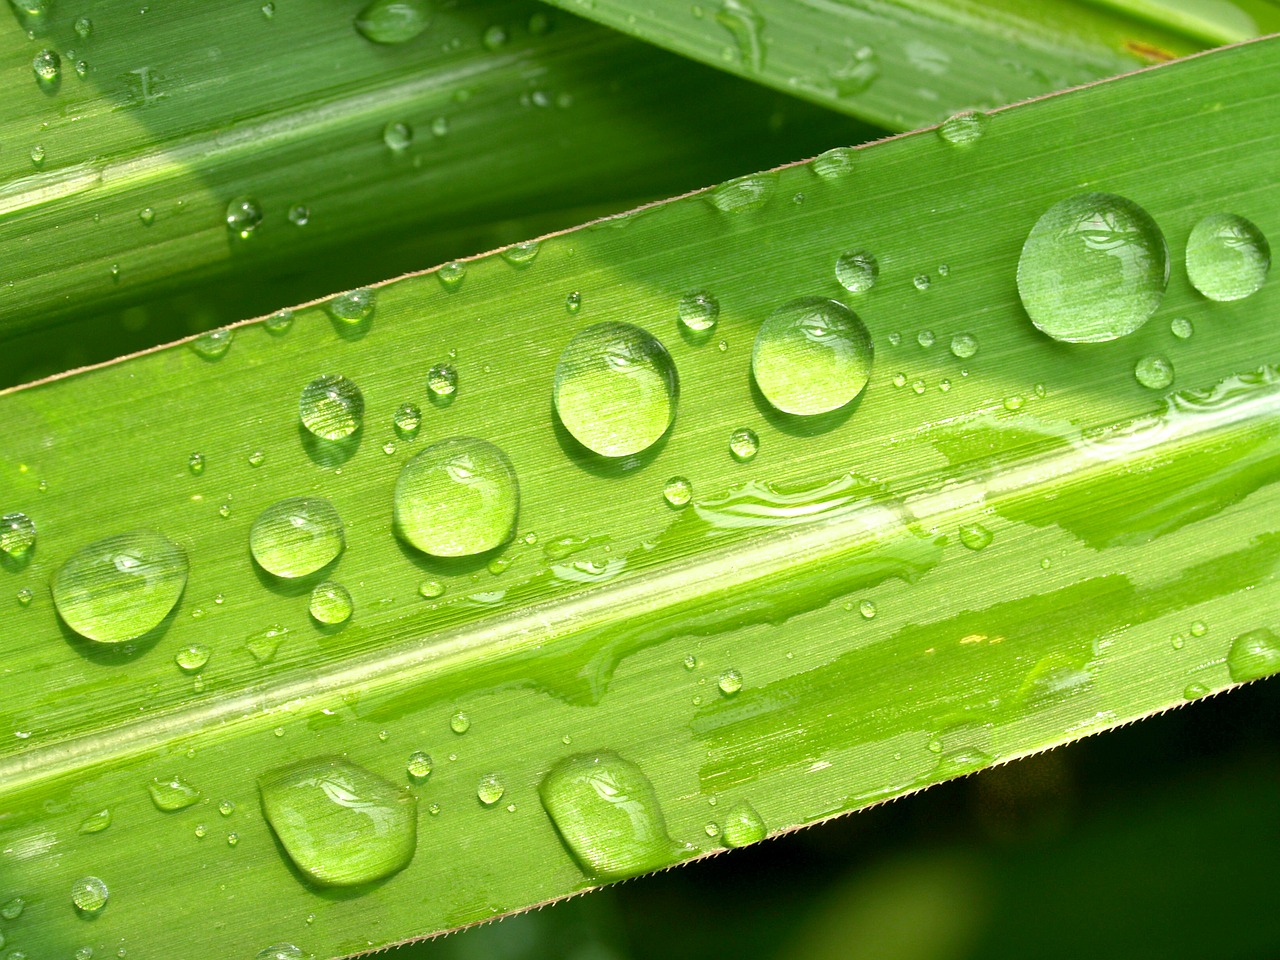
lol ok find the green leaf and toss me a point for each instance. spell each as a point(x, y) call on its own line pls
point(987, 553)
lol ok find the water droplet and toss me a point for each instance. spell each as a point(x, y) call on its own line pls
point(25, 596)
point(1093, 268)
point(408, 419)
point(573, 302)
point(297, 536)
point(17, 534)
point(233, 839)
point(745, 24)
point(84, 28)
point(459, 722)
point(331, 407)
point(393, 21)
point(975, 536)
point(490, 789)
point(89, 895)
point(616, 389)
point(287, 951)
point(397, 136)
point(1227, 257)
point(920, 281)
point(834, 164)
point(340, 824)
point(269, 9)
point(431, 589)
point(857, 270)
point(607, 814)
point(96, 822)
point(147, 216)
point(440, 127)
point(730, 682)
point(1181, 328)
point(256, 459)
point(173, 794)
point(13, 908)
point(279, 322)
point(452, 274)
point(712, 829)
point(299, 215)
point(47, 66)
point(494, 37)
point(744, 194)
point(1199, 628)
point(964, 345)
point(243, 216)
point(522, 254)
point(456, 498)
point(353, 307)
point(743, 825)
point(83, 953)
point(37, 155)
point(120, 587)
point(214, 344)
point(690, 662)
point(925, 338)
point(331, 603)
point(698, 311)
point(964, 129)
point(811, 356)
point(1253, 655)
point(868, 609)
point(419, 766)
point(678, 492)
point(226, 808)
point(1194, 691)
point(1154, 372)
point(744, 444)
point(442, 381)
point(191, 659)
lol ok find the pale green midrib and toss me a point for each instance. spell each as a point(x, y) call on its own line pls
point(730, 568)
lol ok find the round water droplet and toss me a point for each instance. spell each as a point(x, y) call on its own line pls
point(47, 66)
point(698, 311)
point(96, 822)
point(282, 951)
point(233, 839)
point(1093, 268)
point(494, 37)
point(456, 498)
point(440, 127)
point(678, 492)
point(442, 381)
point(353, 307)
point(743, 825)
point(1181, 328)
point(340, 824)
point(147, 216)
point(573, 302)
point(37, 155)
point(243, 216)
point(296, 537)
point(121, 587)
point(214, 344)
point(925, 338)
point(299, 215)
point(279, 322)
point(730, 682)
point(744, 444)
point(1254, 655)
point(173, 793)
point(744, 194)
point(25, 596)
point(868, 609)
point(419, 766)
point(331, 603)
point(1154, 372)
point(408, 419)
point(393, 21)
point(490, 789)
point(89, 896)
point(1227, 257)
point(811, 356)
point(834, 164)
point(431, 589)
point(192, 659)
point(452, 274)
point(397, 136)
point(17, 534)
point(921, 281)
point(975, 536)
point(616, 389)
point(964, 345)
point(607, 814)
point(13, 908)
point(964, 129)
point(1199, 628)
point(857, 270)
point(84, 28)
point(331, 407)
point(522, 254)
point(226, 808)
point(459, 722)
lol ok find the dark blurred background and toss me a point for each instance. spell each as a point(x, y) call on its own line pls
point(1161, 839)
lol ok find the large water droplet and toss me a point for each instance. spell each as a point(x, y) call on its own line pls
point(975, 536)
point(835, 163)
point(353, 307)
point(522, 254)
point(331, 407)
point(121, 587)
point(456, 498)
point(1254, 655)
point(1227, 257)
point(331, 603)
point(616, 389)
point(393, 21)
point(192, 658)
point(606, 812)
point(89, 896)
point(172, 794)
point(340, 824)
point(742, 825)
point(17, 534)
point(811, 356)
point(747, 193)
point(296, 537)
point(857, 271)
point(1093, 268)
point(243, 216)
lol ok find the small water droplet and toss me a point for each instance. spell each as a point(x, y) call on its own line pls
point(419, 766)
point(925, 338)
point(287, 951)
point(226, 808)
point(279, 322)
point(745, 25)
point(37, 155)
point(857, 270)
point(431, 589)
point(121, 587)
point(1154, 372)
point(297, 536)
point(975, 536)
point(147, 216)
point(678, 491)
point(299, 215)
point(214, 344)
point(744, 194)
point(698, 311)
point(964, 129)
point(172, 794)
point(440, 127)
point(331, 603)
point(25, 596)
point(1199, 628)
point(459, 723)
point(712, 829)
point(233, 839)
point(84, 28)
point(353, 307)
point(868, 609)
point(494, 37)
point(408, 419)
point(690, 662)
point(96, 822)
point(573, 302)
point(744, 444)
point(743, 825)
point(13, 908)
point(243, 217)
point(452, 274)
point(920, 281)
point(456, 498)
point(331, 407)
point(340, 824)
point(811, 356)
point(393, 21)
point(1194, 691)
point(1254, 655)
point(47, 66)
point(442, 381)
point(834, 164)
point(964, 345)
point(89, 896)
point(17, 534)
point(490, 789)
point(192, 658)
point(1227, 257)
point(615, 389)
point(730, 682)
point(397, 136)
point(1181, 328)
point(522, 254)
point(1093, 268)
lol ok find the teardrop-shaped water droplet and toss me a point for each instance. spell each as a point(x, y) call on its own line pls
point(452, 274)
point(1254, 655)
point(331, 603)
point(811, 356)
point(279, 322)
point(1227, 257)
point(1154, 372)
point(459, 723)
point(331, 407)
point(456, 498)
point(730, 682)
point(442, 381)
point(1094, 268)
point(607, 814)
point(297, 536)
point(857, 270)
point(173, 793)
point(742, 825)
point(616, 389)
point(393, 21)
point(340, 824)
point(522, 254)
point(17, 534)
point(89, 896)
point(121, 587)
